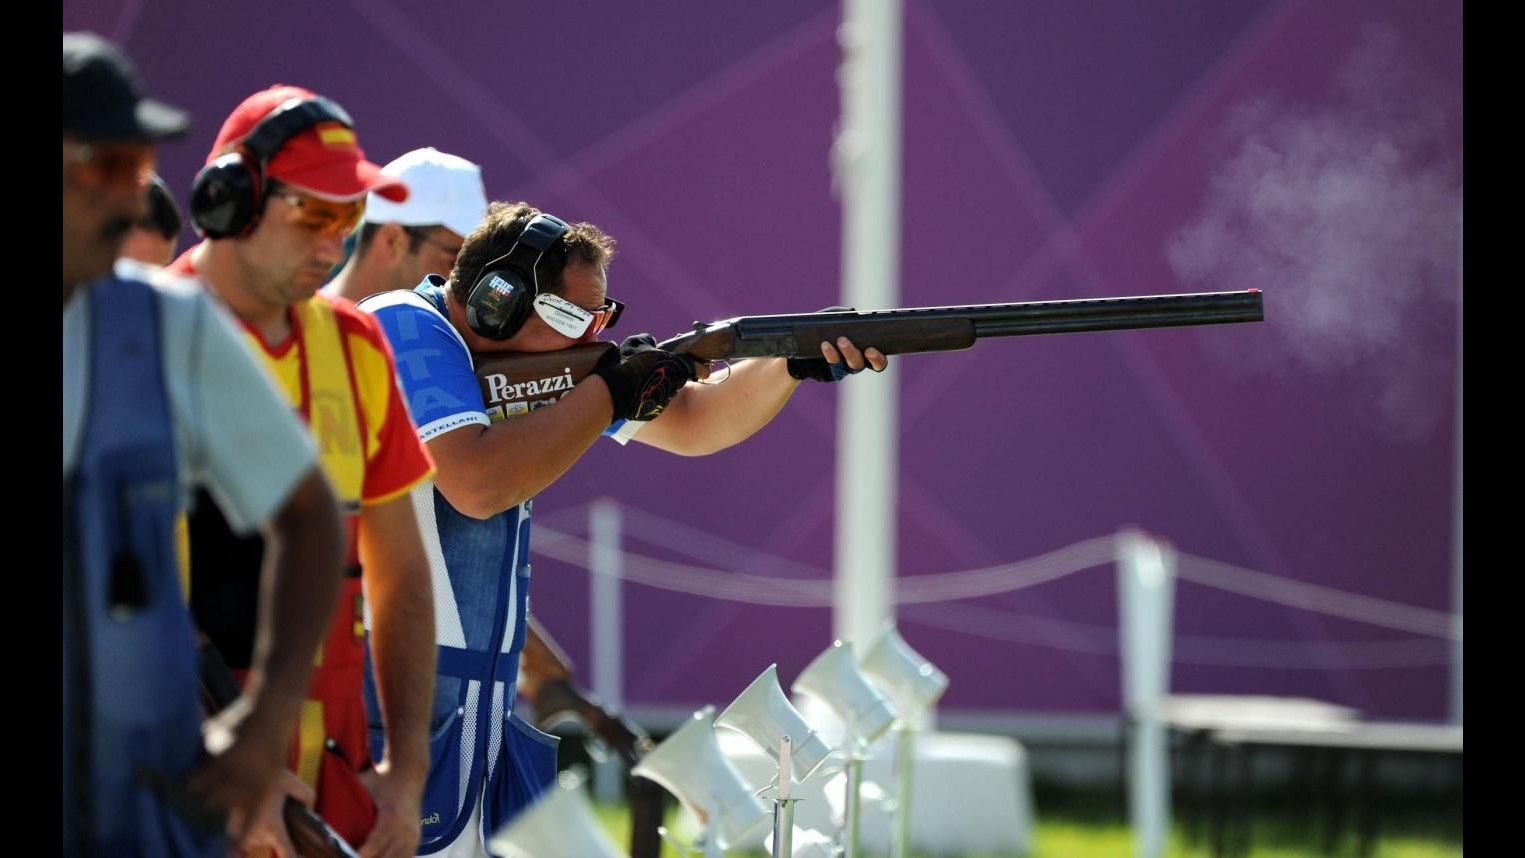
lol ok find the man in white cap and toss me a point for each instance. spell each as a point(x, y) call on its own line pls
point(401, 242)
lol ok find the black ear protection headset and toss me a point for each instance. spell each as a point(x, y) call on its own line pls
point(504, 294)
point(228, 195)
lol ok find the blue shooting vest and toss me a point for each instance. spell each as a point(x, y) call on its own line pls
point(475, 737)
point(479, 750)
point(132, 722)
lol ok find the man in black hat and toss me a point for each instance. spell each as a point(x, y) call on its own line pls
point(109, 131)
point(159, 394)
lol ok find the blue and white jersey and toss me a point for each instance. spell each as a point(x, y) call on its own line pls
point(481, 574)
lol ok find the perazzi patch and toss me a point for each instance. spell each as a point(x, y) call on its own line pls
point(499, 390)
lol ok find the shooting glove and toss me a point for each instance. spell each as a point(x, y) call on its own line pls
point(645, 378)
point(818, 369)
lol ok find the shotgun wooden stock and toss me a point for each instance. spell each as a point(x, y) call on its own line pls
point(545, 680)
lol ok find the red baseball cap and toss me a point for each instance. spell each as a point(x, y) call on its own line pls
point(325, 159)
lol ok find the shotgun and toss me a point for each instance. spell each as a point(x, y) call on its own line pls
point(311, 836)
point(517, 382)
point(545, 681)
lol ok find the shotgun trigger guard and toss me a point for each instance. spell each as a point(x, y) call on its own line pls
point(725, 364)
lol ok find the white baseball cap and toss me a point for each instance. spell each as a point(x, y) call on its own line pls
point(442, 189)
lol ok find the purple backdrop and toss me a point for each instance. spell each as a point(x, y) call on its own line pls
point(1051, 150)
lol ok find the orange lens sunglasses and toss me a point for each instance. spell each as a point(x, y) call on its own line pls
point(323, 217)
point(606, 316)
point(120, 165)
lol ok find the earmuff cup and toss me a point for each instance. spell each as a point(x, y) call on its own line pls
point(503, 296)
point(224, 196)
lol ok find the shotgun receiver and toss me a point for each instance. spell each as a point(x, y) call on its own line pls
point(513, 383)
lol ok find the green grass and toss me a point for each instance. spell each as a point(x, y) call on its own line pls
point(1086, 831)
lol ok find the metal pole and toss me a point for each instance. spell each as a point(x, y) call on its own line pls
point(783, 827)
point(1146, 586)
point(607, 615)
point(1456, 519)
point(783, 805)
point(866, 168)
point(854, 805)
point(905, 748)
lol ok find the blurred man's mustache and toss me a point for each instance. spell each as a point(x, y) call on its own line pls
point(115, 229)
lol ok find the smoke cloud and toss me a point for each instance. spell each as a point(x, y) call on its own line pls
point(1348, 215)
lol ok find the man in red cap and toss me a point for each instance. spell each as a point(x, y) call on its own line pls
point(159, 395)
point(284, 184)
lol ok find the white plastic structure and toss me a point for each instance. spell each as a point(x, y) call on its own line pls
point(834, 678)
point(913, 684)
point(689, 765)
point(560, 824)
point(763, 714)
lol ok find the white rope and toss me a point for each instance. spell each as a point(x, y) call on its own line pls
point(974, 583)
point(1316, 597)
point(811, 587)
point(818, 591)
point(1185, 649)
point(693, 580)
point(692, 542)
